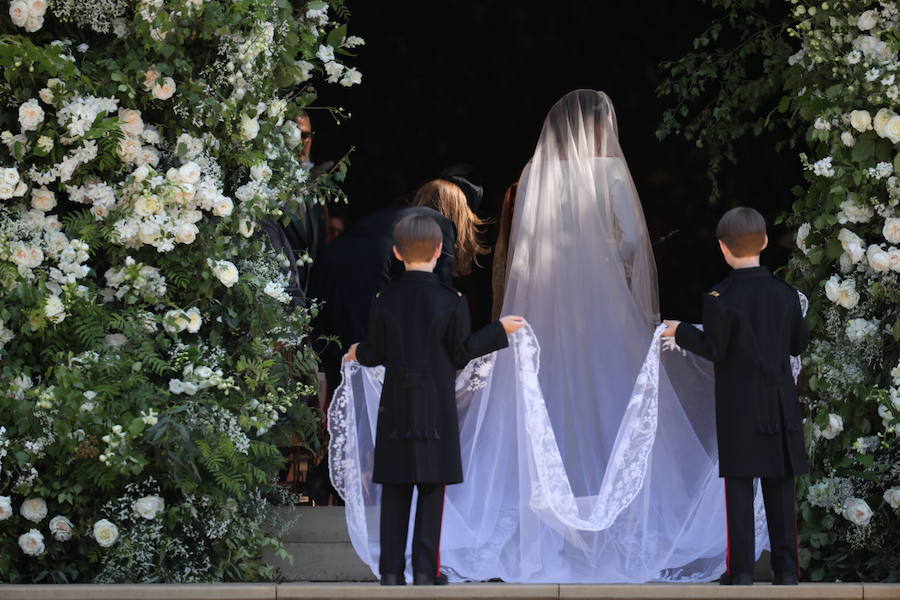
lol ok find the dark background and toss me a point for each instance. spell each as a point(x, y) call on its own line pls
point(471, 81)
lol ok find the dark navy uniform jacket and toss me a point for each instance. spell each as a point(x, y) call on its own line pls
point(752, 325)
point(419, 330)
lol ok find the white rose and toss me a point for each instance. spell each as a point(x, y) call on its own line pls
point(249, 127)
point(857, 511)
point(855, 251)
point(37, 7)
point(54, 309)
point(105, 533)
point(892, 497)
point(226, 272)
point(892, 129)
point(292, 134)
point(148, 506)
point(9, 176)
point(6, 509)
point(878, 259)
point(6, 191)
point(132, 124)
point(61, 528)
point(861, 120)
point(260, 172)
point(186, 233)
point(195, 320)
point(847, 139)
point(891, 230)
point(246, 227)
point(18, 12)
point(141, 173)
point(34, 509)
point(46, 95)
point(30, 115)
point(43, 199)
point(189, 172)
point(32, 543)
point(276, 109)
point(846, 265)
point(835, 426)
point(223, 206)
point(867, 20)
point(879, 123)
point(164, 89)
point(149, 232)
point(894, 257)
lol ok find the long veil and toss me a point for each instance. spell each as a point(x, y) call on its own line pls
point(589, 455)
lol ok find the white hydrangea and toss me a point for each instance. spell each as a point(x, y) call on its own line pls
point(823, 168)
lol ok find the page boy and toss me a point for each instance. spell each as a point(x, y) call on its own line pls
point(419, 329)
point(752, 325)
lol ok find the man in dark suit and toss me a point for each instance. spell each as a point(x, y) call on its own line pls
point(419, 330)
point(752, 325)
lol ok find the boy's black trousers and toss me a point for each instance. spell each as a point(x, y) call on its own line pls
point(396, 500)
point(778, 497)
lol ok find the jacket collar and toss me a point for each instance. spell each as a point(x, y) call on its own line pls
point(418, 276)
point(750, 272)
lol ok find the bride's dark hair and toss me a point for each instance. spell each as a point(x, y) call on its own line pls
point(448, 199)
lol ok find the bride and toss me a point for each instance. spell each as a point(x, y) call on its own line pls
point(589, 455)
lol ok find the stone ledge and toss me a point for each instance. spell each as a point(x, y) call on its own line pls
point(151, 591)
point(469, 591)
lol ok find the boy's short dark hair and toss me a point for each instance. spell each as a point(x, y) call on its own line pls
point(417, 237)
point(743, 230)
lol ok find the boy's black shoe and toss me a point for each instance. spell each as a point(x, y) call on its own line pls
point(392, 579)
point(785, 579)
point(425, 579)
point(736, 579)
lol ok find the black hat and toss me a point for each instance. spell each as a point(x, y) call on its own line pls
point(464, 176)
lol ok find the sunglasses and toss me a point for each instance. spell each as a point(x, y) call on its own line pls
point(305, 135)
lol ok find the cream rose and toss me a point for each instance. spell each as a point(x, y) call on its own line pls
point(30, 115)
point(861, 120)
point(802, 234)
point(32, 543)
point(149, 232)
point(56, 313)
point(148, 156)
point(246, 227)
point(879, 123)
point(189, 172)
point(34, 509)
point(260, 172)
point(150, 77)
point(225, 272)
point(141, 173)
point(175, 321)
point(165, 89)
point(148, 506)
point(6, 509)
point(892, 129)
point(147, 205)
point(249, 127)
point(195, 320)
point(132, 124)
point(37, 7)
point(894, 256)
point(857, 511)
point(891, 230)
point(186, 233)
point(842, 293)
point(43, 199)
point(879, 260)
point(129, 149)
point(105, 533)
point(61, 528)
point(223, 206)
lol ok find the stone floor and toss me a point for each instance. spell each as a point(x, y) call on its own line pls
point(468, 591)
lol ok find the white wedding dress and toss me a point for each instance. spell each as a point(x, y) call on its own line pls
point(589, 455)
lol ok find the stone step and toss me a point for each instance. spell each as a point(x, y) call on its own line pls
point(468, 591)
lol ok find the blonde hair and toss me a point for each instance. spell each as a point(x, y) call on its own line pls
point(448, 199)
